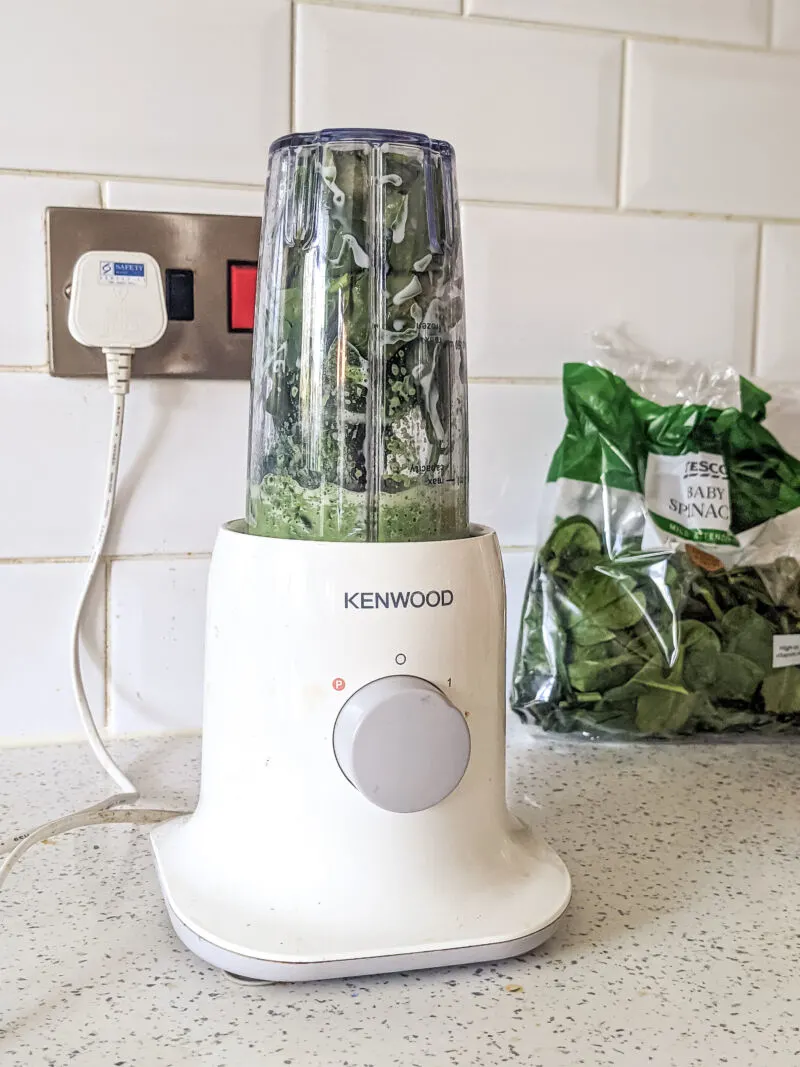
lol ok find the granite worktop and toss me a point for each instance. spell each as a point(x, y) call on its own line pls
point(681, 945)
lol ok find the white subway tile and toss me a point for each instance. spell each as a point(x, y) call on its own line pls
point(532, 114)
point(539, 283)
point(183, 464)
point(452, 7)
point(778, 349)
point(37, 605)
point(172, 90)
point(195, 199)
point(514, 431)
point(23, 258)
point(712, 131)
point(783, 418)
point(517, 567)
point(786, 24)
point(156, 627)
point(734, 21)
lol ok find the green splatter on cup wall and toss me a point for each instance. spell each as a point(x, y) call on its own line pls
point(359, 387)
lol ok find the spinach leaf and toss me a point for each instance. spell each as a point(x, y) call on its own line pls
point(593, 676)
point(609, 601)
point(746, 633)
point(781, 691)
point(701, 667)
point(586, 632)
point(736, 678)
point(702, 647)
point(652, 676)
point(659, 711)
point(696, 636)
point(574, 537)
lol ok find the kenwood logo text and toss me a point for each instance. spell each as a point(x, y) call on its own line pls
point(436, 598)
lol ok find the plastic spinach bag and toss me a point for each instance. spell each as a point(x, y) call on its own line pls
point(665, 599)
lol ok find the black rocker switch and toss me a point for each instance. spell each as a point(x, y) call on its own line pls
point(180, 295)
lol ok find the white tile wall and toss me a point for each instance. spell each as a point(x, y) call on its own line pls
point(517, 566)
point(736, 21)
point(172, 196)
point(453, 7)
point(778, 353)
point(156, 625)
point(712, 131)
point(183, 465)
point(37, 605)
point(786, 24)
point(23, 311)
point(783, 419)
point(533, 113)
point(564, 235)
point(540, 282)
point(514, 431)
point(184, 89)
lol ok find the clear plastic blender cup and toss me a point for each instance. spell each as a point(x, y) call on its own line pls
point(359, 388)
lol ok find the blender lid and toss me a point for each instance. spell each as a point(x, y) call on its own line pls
point(365, 134)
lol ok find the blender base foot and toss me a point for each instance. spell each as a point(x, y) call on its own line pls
point(255, 969)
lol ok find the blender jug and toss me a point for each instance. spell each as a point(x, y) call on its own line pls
point(365, 714)
point(359, 391)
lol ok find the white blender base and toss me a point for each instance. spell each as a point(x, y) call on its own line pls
point(287, 871)
point(259, 969)
point(515, 901)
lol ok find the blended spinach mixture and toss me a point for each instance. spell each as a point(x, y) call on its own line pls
point(359, 421)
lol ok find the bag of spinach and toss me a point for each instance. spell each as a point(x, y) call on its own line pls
point(665, 599)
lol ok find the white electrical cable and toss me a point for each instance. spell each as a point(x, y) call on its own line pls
point(128, 790)
point(118, 365)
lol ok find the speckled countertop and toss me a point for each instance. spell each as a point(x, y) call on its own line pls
point(681, 946)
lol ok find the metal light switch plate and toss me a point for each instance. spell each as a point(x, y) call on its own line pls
point(205, 244)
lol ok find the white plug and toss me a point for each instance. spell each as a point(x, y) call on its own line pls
point(117, 304)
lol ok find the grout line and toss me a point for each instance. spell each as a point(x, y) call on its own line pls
point(638, 213)
point(538, 24)
point(519, 379)
point(107, 648)
point(771, 24)
point(531, 205)
point(136, 179)
point(756, 323)
point(473, 379)
point(477, 379)
point(158, 557)
point(622, 129)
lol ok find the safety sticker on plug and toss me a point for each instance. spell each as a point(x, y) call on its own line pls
point(112, 273)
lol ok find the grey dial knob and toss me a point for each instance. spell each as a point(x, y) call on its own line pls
point(402, 743)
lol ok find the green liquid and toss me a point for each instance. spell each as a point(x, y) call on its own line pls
point(282, 508)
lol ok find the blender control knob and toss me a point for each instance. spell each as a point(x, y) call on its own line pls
point(402, 743)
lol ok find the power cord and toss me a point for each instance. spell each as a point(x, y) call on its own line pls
point(93, 311)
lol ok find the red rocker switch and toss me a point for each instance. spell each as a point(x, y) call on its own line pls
point(241, 296)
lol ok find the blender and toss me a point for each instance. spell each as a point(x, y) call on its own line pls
point(352, 815)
